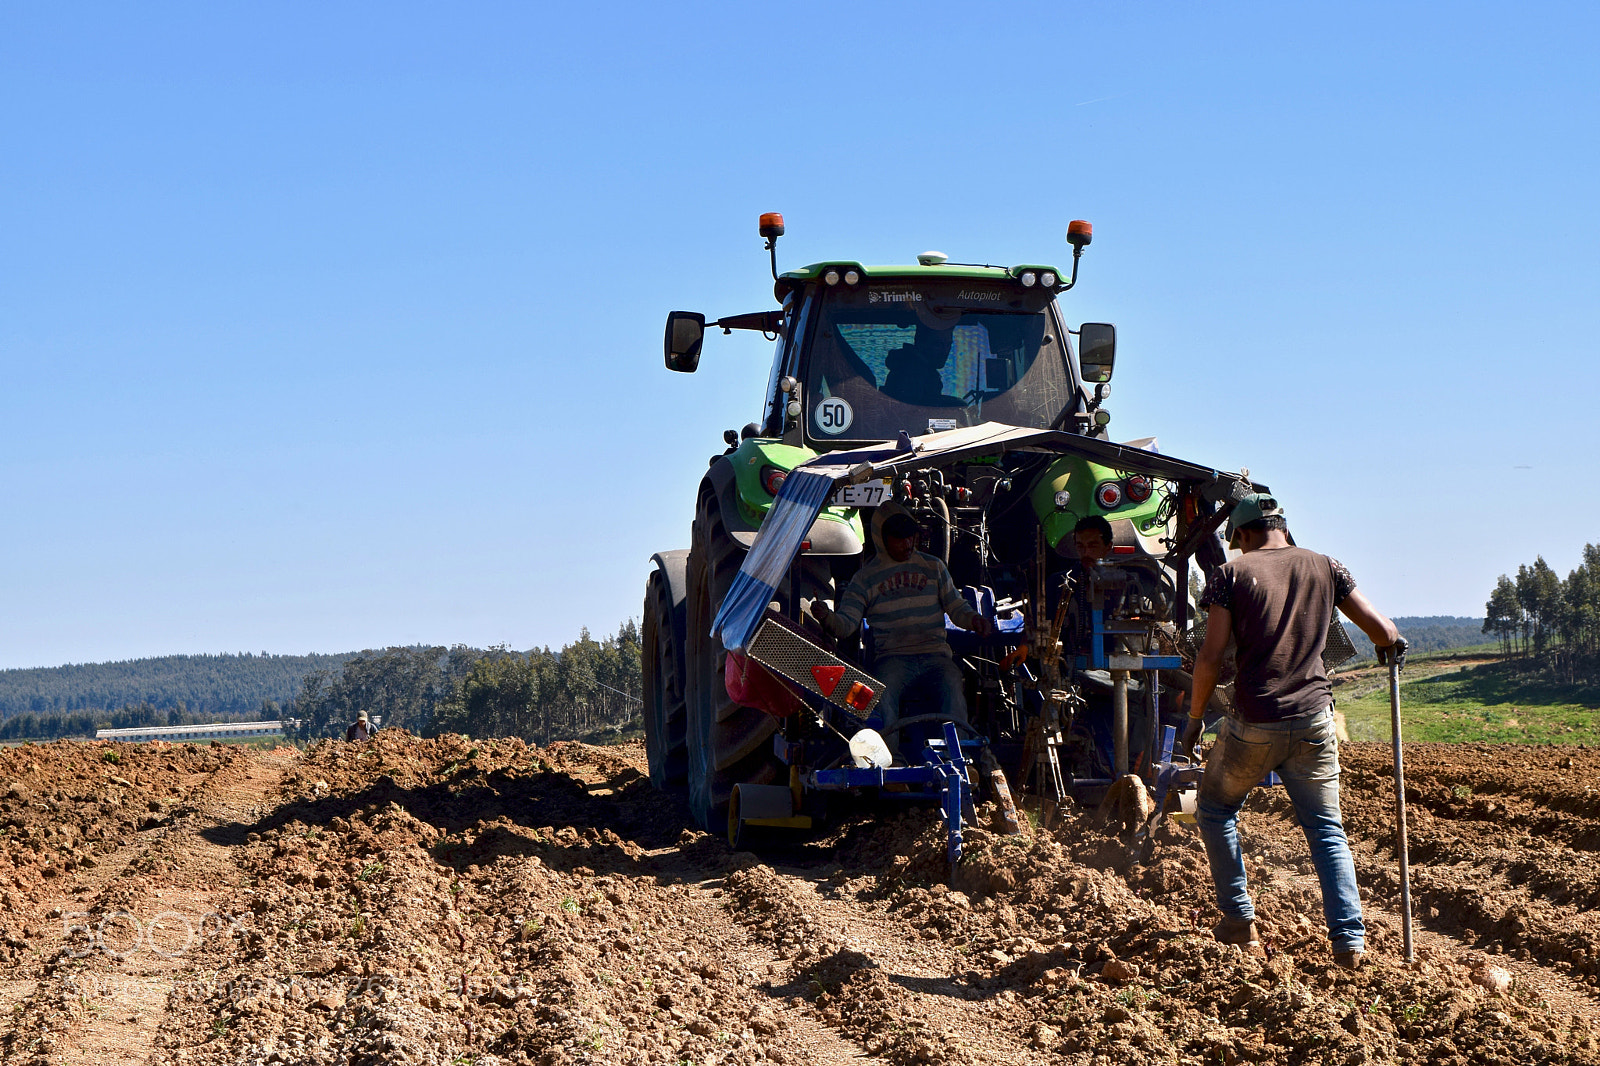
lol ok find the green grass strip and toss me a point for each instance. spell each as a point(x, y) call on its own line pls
point(1447, 699)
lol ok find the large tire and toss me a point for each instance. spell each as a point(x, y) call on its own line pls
point(727, 743)
point(665, 716)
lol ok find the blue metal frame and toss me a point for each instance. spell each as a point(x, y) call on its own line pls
point(1098, 660)
point(944, 769)
point(1170, 775)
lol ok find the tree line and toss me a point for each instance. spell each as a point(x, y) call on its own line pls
point(588, 687)
point(31, 726)
point(217, 685)
point(1550, 621)
point(1425, 633)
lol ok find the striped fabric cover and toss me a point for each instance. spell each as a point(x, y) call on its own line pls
point(800, 500)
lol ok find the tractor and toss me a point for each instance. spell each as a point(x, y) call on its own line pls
point(959, 392)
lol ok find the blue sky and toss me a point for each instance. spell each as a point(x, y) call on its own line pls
point(336, 326)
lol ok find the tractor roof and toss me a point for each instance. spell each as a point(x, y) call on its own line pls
point(913, 270)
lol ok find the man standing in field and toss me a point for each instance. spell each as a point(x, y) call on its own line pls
point(360, 729)
point(1276, 601)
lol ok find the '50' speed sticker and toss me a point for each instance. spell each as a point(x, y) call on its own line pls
point(833, 415)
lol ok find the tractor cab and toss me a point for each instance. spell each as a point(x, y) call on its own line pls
point(868, 353)
point(920, 353)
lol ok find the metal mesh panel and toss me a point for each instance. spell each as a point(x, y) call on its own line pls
point(792, 656)
point(1338, 649)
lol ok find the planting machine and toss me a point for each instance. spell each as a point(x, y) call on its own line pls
point(957, 392)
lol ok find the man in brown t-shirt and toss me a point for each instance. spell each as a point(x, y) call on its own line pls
point(1275, 602)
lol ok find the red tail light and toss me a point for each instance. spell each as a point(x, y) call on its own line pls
point(1138, 488)
point(859, 696)
point(772, 479)
point(1108, 494)
point(1123, 549)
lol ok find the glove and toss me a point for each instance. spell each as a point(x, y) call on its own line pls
point(1191, 734)
point(1395, 651)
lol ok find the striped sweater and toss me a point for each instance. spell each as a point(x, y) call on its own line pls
point(904, 603)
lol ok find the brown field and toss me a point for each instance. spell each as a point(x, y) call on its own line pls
point(454, 902)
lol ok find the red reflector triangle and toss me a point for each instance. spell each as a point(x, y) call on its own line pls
point(827, 677)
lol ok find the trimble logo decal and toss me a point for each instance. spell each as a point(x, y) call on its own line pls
point(876, 297)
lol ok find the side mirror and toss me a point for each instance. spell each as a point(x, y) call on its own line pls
point(1097, 351)
point(686, 331)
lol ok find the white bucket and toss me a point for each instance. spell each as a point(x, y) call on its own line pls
point(868, 750)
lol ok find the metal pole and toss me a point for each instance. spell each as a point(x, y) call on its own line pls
point(1119, 722)
point(1153, 679)
point(1400, 806)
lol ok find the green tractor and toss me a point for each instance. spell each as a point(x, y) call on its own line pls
point(912, 354)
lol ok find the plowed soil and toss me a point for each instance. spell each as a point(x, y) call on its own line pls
point(453, 901)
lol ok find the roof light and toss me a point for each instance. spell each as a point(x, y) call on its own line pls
point(1138, 488)
point(851, 277)
point(933, 259)
point(831, 277)
point(1079, 234)
point(771, 225)
point(1048, 279)
point(1028, 278)
point(1108, 494)
point(1102, 417)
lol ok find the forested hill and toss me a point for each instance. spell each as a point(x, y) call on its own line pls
point(1436, 632)
point(205, 684)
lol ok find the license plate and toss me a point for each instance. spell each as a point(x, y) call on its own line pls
point(866, 494)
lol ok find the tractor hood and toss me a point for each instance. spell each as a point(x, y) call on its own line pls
point(808, 487)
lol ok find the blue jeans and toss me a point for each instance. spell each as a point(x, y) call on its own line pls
point(1305, 753)
point(900, 673)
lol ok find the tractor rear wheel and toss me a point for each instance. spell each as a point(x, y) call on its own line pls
point(665, 717)
point(728, 743)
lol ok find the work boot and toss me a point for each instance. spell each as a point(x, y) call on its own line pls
point(1350, 960)
point(1241, 931)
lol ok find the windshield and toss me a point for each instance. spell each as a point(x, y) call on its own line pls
point(925, 357)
